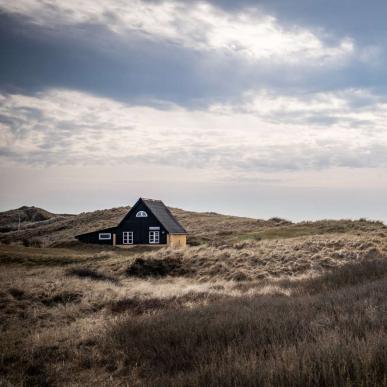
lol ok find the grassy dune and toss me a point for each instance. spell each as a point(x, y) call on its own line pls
point(203, 228)
point(331, 338)
point(272, 304)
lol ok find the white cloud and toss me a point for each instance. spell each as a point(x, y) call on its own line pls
point(200, 26)
point(62, 127)
point(349, 108)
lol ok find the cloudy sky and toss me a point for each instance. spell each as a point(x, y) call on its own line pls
point(258, 108)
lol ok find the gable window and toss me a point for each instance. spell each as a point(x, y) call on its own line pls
point(141, 214)
point(154, 236)
point(127, 237)
point(104, 236)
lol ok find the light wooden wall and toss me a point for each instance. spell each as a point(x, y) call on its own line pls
point(176, 240)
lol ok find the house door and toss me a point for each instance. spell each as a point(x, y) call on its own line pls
point(127, 237)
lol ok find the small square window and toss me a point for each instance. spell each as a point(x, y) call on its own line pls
point(127, 237)
point(154, 237)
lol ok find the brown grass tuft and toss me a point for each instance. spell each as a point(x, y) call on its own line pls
point(83, 272)
point(155, 267)
point(333, 338)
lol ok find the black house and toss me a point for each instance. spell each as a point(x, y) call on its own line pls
point(148, 222)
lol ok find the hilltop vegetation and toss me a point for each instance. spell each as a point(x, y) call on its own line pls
point(43, 228)
point(251, 302)
point(24, 217)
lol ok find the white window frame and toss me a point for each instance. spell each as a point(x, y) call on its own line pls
point(141, 214)
point(104, 236)
point(154, 237)
point(127, 237)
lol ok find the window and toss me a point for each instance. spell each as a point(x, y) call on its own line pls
point(127, 237)
point(104, 236)
point(154, 228)
point(154, 236)
point(141, 214)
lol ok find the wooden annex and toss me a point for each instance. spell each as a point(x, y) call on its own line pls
point(149, 222)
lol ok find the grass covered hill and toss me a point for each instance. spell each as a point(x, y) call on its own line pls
point(249, 303)
point(42, 228)
point(23, 216)
point(303, 311)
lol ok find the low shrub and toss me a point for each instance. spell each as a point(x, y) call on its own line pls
point(32, 243)
point(91, 274)
point(16, 293)
point(197, 241)
point(155, 267)
point(279, 221)
point(61, 298)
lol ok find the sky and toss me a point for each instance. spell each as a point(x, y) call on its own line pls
point(255, 108)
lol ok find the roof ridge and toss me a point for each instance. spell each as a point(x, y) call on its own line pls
point(152, 200)
point(161, 212)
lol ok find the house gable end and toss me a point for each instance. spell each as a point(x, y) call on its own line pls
point(141, 226)
point(134, 208)
point(132, 218)
point(135, 217)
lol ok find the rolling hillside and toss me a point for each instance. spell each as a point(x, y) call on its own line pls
point(48, 229)
point(249, 296)
point(62, 228)
point(23, 216)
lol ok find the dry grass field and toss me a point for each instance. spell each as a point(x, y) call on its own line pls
point(249, 303)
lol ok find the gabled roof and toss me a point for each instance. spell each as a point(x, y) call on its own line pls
point(164, 216)
point(159, 210)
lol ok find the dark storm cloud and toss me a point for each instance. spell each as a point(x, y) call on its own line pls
point(36, 58)
point(131, 68)
point(91, 58)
